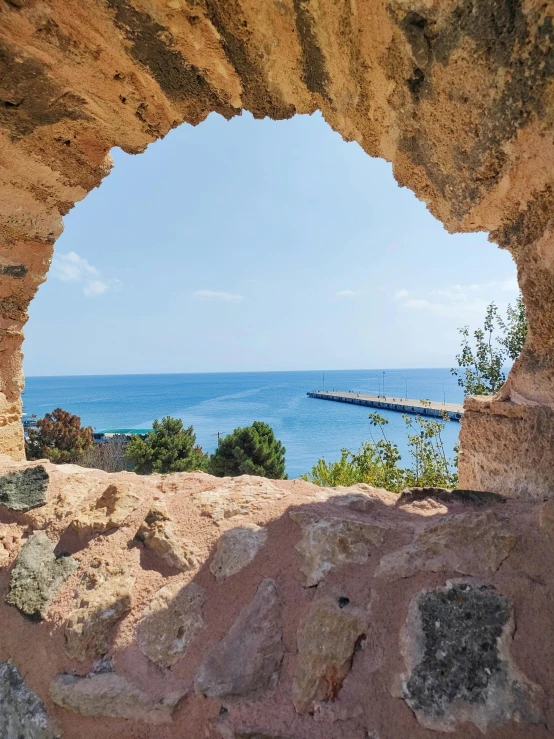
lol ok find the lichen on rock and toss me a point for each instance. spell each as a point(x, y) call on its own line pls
point(37, 575)
point(22, 713)
point(24, 489)
point(170, 622)
point(103, 598)
point(456, 647)
point(235, 549)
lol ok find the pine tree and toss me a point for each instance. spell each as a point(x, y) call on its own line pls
point(168, 448)
point(252, 450)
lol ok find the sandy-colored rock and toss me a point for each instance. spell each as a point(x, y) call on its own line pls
point(467, 543)
point(456, 645)
point(170, 622)
point(359, 499)
point(108, 694)
point(237, 496)
point(327, 640)
point(37, 575)
point(158, 534)
point(103, 597)
point(246, 663)
point(235, 549)
point(25, 489)
point(108, 511)
point(328, 543)
point(22, 713)
point(10, 541)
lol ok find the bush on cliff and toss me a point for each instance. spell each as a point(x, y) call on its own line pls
point(168, 448)
point(252, 450)
point(58, 437)
point(376, 463)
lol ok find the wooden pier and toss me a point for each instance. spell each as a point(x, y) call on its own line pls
point(454, 411)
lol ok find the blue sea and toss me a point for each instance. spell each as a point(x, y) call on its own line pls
point(220, 402)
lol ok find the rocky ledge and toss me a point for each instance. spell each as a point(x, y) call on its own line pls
point(190, 606)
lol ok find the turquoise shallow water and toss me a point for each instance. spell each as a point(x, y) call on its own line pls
point(309, 428)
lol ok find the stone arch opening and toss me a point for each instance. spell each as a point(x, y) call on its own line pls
point(457, 96)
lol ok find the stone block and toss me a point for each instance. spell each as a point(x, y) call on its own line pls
point(246, 663)
point(24, 489)
point(37, 575)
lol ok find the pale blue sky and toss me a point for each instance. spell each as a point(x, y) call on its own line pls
point(257, 245)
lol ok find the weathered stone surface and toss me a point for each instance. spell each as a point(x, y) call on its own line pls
point(235, 549)
point(359, 498)
point(158, 534)
point(546, 517)
point(236, 497)
point(109, 511)
point(108, 694)
point(327, 543)
point(246, 663)
point(327, 640)
point(226, 731)
point(456, 648)
point(22, 713)
point(104, 597)
point(473, 498)
point(507, 446)
point(10, 540)
point(342, 680)
point(170, 622)
point(37, 575)
point(469, 543)
point(24, 489)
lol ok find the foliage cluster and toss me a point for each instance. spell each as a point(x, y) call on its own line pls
point(252, 450)
point(169, 448)
point(58, 437)
point(377, 462)
point(481, 363)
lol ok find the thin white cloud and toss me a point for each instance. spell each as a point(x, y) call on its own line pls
point(217, 295)
point(459, 301)
point(71, 267)
point(347, 293)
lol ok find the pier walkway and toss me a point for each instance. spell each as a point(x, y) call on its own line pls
point(454, 411)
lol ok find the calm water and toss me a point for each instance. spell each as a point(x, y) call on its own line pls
point(309, 428)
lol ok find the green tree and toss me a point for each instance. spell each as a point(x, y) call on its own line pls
point(481, 361)
point(58, 437)
point(252, 450)
point(377, 462)
point(168, 448)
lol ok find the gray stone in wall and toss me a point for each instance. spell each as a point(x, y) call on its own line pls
point(22, 713)
point(246, 663)
point(456, 646)
point(24, 489)
point(37, 575)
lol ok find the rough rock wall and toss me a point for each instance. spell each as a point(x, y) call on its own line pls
point(456, 94)
point(243, 608)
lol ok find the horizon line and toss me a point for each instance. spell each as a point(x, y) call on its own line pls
point(240, 372)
